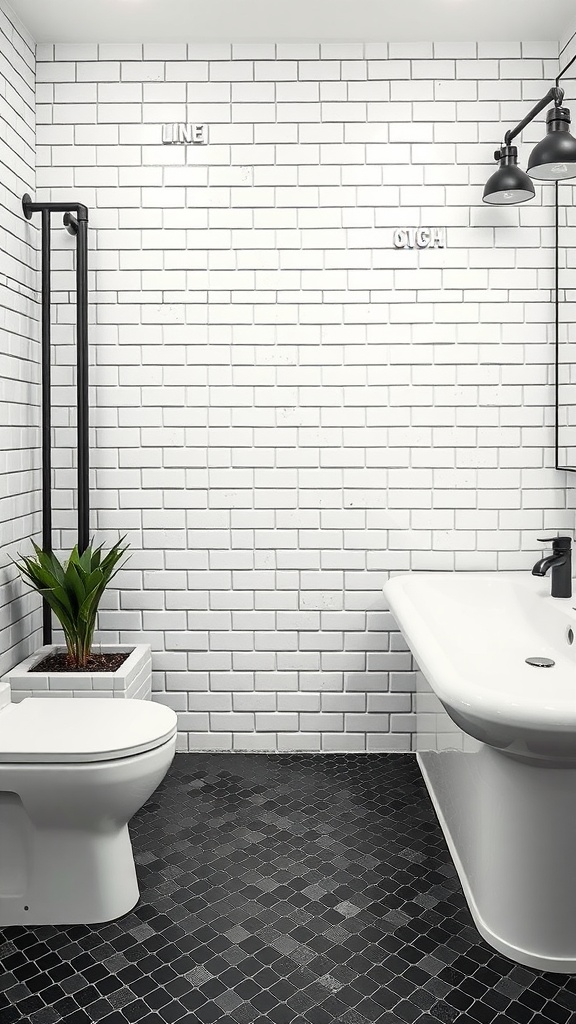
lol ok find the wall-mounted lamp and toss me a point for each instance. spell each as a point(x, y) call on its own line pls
point(509, 184)
point(553, 159)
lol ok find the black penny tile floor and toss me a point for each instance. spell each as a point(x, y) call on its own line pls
point(287, 889)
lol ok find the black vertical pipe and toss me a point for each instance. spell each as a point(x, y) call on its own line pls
point(82, 383)
point(46, 414)
point(557, 331)
point(77, 227)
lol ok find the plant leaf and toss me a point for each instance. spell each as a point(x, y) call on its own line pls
point(73, 590)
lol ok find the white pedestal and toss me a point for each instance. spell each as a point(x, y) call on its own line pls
point(511, 829)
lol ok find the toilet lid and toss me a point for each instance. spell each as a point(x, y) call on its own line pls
point(73, 730)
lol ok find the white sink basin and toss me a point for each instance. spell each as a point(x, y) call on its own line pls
point(471, 634)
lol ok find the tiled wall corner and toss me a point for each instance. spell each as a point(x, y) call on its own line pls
point(568, 44)
point(19, 349)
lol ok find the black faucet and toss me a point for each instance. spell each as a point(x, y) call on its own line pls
point(560, 562)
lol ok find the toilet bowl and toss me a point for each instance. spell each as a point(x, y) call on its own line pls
point(72, 774)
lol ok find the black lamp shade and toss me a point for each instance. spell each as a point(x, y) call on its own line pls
point(554, 158)
point(508, 185)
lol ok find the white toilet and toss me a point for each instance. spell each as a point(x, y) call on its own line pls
point(72, 774)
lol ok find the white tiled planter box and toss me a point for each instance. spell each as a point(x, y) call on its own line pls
point(133, 679)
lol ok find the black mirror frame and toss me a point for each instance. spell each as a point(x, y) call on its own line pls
point(568, 469)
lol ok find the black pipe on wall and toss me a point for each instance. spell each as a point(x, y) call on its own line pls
point(77, 226)
point(46, 415)
point(82, 385)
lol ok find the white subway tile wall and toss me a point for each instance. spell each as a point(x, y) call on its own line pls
point(286, 408)
point(19, 348)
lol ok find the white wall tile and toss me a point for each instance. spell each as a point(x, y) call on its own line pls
point(286, 408)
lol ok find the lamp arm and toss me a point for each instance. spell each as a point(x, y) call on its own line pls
point(565, 69)
point(555, 93)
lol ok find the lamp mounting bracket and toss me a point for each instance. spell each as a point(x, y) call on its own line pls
point(554, 95)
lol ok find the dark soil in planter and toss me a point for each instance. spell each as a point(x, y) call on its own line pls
point(59, 662)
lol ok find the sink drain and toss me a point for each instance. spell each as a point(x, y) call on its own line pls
point(540, 662)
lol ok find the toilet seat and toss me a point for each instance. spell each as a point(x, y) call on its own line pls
point(72, 730)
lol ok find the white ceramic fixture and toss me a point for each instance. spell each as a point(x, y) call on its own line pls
point(507, 806)
point(133, 679)
point(72, 774)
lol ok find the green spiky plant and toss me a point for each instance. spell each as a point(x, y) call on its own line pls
point(73, 590)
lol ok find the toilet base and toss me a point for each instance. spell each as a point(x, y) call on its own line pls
point(73, 879)
point(65, 850)
point(510, 827)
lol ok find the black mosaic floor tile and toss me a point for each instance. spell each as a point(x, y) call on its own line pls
point(281, 890)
